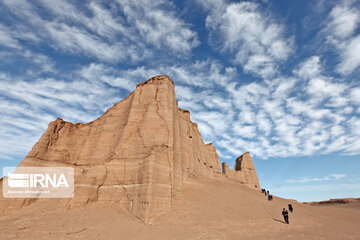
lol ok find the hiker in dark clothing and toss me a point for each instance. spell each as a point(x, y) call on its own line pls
point(286, 215)
point(290, 207)
point(269, 197)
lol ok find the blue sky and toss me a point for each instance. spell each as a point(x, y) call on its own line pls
point(279, 79)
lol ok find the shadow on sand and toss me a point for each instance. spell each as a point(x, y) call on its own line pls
point(279, 220)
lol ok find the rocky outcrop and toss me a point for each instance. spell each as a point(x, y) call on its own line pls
point(136, 155)
point(243, 172)
point(335, 201)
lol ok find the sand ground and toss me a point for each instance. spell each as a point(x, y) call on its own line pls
point(205, 209)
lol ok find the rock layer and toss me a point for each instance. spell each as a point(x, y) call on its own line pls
point(243, 172)
point(137, 154)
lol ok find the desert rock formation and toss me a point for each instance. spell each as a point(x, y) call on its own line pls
point(243, 172)
point(136, 155)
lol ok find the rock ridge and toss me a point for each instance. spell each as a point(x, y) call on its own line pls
point(136, 155)
point(243, 172)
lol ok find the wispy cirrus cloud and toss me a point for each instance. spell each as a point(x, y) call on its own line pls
point(305, 114)
point(330, 177)
point(7, 38)
point(341, 32)
point(121, 31)
point(255, 39)
point(302, 112)
point(159, 26)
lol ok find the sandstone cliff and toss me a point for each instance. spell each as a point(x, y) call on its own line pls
point(136, 155)
point(243, 172)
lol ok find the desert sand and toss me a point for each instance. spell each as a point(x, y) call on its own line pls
point(205, 209)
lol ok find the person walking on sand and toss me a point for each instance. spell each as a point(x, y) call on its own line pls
point(286, 215)
point(290, 207)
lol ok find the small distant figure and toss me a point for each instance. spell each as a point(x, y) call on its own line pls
point(262, 190)
point(269, 197)
point(286, 215)
point(267, 192)
point(290, 207)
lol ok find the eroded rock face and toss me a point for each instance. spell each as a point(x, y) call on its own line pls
point(243, 172)
point(137, 154)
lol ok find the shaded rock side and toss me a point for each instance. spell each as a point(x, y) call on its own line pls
point(243, 172)
point(137, 154)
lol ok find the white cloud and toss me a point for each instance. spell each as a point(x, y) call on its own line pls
point(310, 68)
point(159, 26)
point(7, 39)
point(244, 131)
point(264, 123)
point(98, 72)
point(355, 95)
point(350, 56)
point(127, 31)
point(215, 119)
point(337, 130)
point(102, 22)
point(322, 88)
point(201, 73)
point(259, 64)
point(27, 107)
point(184, 92)
point(306, 114)
point(343, 21)
point(256, 40)
point(34, 63)
point(205, 130)
point(304, 180)
point(42, 61)
point(247, 116)
point(75, 40)
point(317, 179)
point(338, 176)
point(340, 32)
